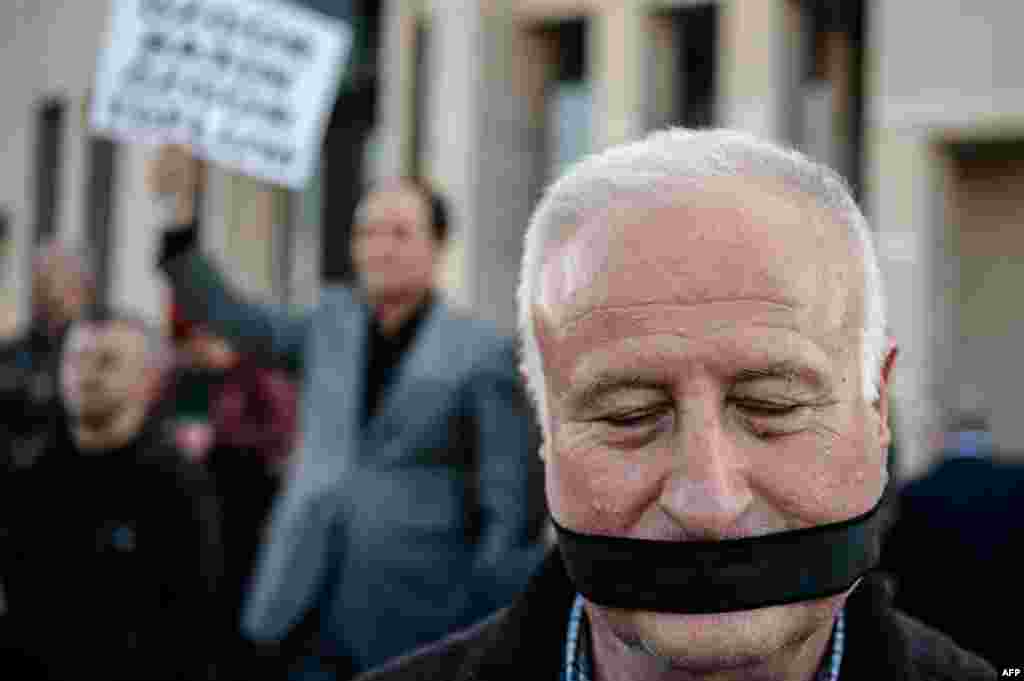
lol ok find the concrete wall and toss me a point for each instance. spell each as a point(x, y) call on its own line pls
point(954, 64)
point(22, 24)
point(755, 78)
point(955, 81)
point(50, 49)
point(988, 219)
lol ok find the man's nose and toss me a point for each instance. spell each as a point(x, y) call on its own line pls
point(707, 490)
point(88, 380)
point(86, 373)
point(382, 248)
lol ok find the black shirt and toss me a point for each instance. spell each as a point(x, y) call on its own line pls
point(385, 352)
point(29, 403)
point(111, 561)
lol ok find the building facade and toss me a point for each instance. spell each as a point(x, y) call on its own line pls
point(921, 109)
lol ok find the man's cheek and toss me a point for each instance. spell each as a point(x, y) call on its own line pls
point(856, 459)
point(599, 491)
point(820, 477)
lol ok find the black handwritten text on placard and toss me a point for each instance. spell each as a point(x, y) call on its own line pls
point(214, 76)
point(247, 84)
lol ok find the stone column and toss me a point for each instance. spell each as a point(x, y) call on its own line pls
point(74, 170)
point(249, 232)
point(454, 94)
point(137, 220)
point(906, 208)
point(756, 83)
point(617, 59)
point(394, 134)
point(306, 226)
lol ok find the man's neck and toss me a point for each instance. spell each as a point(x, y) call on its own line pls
point(116, 433)
point(615, 661)
point(393, 312)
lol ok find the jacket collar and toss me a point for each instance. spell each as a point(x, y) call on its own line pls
point(877, 647)
point(534, 624)
point(532, 633)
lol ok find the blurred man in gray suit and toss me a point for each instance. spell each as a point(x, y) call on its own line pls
point(410, 511)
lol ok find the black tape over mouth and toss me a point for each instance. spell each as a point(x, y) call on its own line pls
point(701, 577)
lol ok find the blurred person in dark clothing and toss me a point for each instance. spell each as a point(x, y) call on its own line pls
point(408, 513)
point(62, 285)
point(112, 537)
point(954, 543)
point(200, 364)
point(238, 419)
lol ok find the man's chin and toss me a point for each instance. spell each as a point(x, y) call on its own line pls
point(702, 643)
point(384, 288)
point(96, 420)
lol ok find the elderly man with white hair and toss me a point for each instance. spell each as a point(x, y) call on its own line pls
point(703, 327)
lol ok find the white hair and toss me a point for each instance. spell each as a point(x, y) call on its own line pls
point(655, 170)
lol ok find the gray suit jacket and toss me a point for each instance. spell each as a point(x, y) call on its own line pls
point(422, 522)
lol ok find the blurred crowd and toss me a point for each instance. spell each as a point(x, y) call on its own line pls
point(174, 509)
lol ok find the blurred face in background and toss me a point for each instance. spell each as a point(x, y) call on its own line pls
point(393, 248)
point(106, 371)
point(59, 290)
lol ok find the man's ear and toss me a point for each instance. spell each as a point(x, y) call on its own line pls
point(881, 405)
point(542, 451)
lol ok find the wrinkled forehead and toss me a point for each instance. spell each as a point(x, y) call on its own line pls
point(393, 201)
point(728, 239)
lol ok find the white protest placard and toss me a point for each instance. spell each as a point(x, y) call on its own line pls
point(245, 83)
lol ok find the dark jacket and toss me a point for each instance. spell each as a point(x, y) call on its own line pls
point(953, 552)
point(113, 561)
point(527, 641)
point(28, 396)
